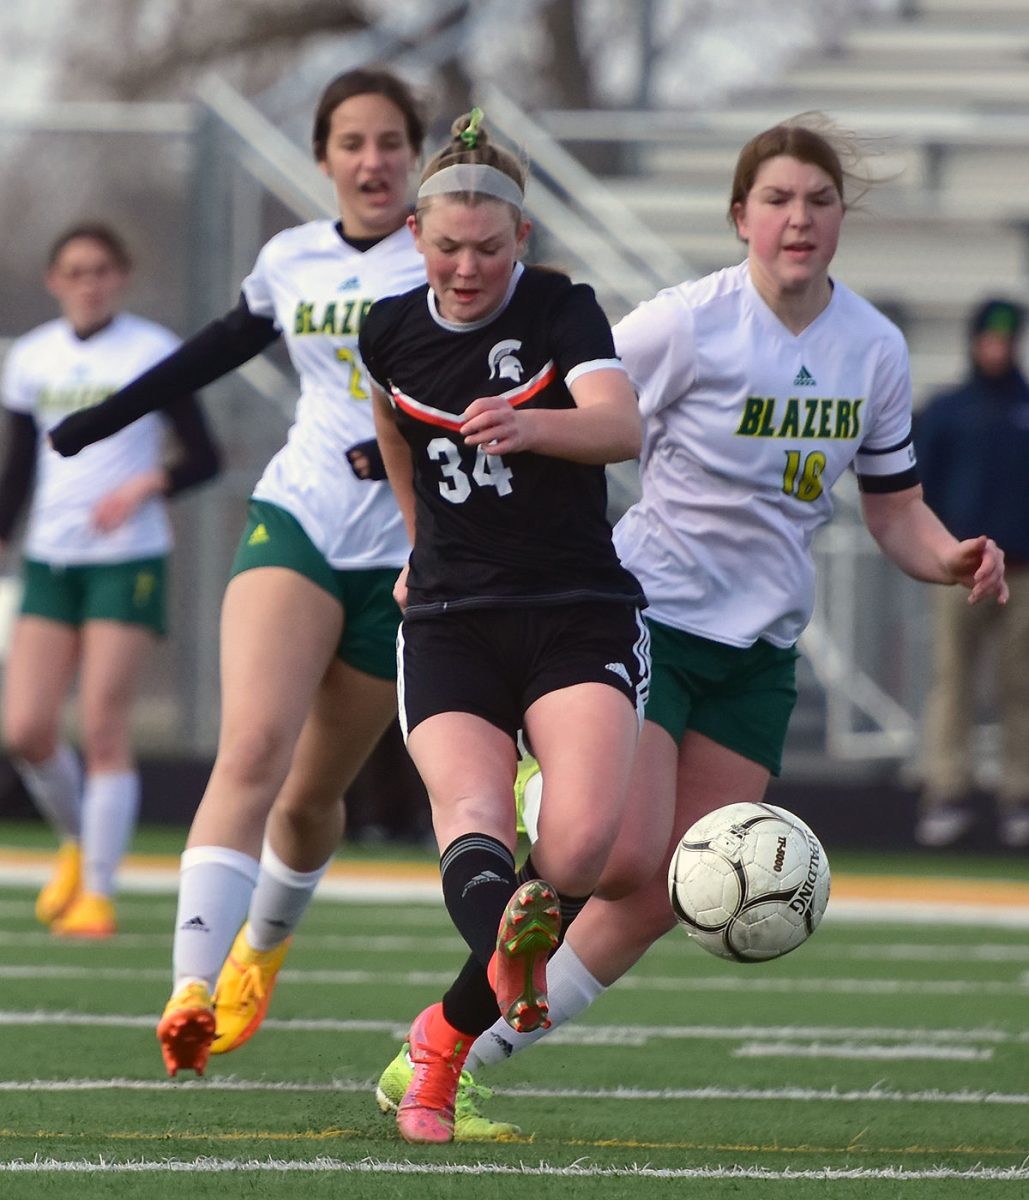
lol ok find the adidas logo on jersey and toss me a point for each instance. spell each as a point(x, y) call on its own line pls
point(259, 536)
point(348, 285)
point(804, 378)
point(619, 670)
point(195, 925)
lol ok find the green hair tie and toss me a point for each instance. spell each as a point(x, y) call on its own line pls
point(470, 136)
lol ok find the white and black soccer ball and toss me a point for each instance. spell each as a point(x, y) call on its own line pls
point(749, 882)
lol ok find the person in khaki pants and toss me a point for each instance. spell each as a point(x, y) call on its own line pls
point(973, 456)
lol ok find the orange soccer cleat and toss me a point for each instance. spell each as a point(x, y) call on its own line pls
point(528, 933)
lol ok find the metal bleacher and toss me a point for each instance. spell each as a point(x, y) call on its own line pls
point(940, 93)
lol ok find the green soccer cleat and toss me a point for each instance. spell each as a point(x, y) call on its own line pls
point(470, 1125)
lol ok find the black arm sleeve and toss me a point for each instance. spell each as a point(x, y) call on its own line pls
point(18, 469)
point(201, 458)
point(208, 355)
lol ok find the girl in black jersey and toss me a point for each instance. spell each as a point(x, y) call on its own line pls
point(499, 401)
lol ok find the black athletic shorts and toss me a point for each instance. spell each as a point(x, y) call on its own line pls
point(496, 662)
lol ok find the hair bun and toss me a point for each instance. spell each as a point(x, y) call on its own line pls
point(467, 130)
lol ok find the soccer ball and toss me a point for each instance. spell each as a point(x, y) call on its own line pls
point(749, 882)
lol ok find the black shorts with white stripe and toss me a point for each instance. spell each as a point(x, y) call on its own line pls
point(496, 662)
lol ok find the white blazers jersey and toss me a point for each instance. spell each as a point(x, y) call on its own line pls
point(318, 289)
point(50, 373)
point(746, 428)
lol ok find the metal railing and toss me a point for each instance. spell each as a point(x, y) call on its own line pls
point(239, 156)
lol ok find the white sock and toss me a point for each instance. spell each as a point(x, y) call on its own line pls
point(110, 804)
point(56, 790)
point(215, 886)
point(279, 900)
point(571, 989)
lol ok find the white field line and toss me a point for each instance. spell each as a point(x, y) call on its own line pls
point(669, 948)
point(161, 879)
point(737, 984)
point(828, 1042)
point(988, 952)
point(161, 939)
point(572, 1034)
point(864, 1052)
point(575, 1170)
point(875, 1095)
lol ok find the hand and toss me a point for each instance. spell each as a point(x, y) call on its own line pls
point(400, 588)
point(978, 564)
point(365, 460)
point(114, 509)
point(492, 423)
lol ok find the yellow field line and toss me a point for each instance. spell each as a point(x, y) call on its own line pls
point(845, 886)
point(11, 856)
point(940, 889)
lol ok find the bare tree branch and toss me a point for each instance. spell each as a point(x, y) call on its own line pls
point(199, 35)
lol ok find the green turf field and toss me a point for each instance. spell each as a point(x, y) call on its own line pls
point(880, 1060)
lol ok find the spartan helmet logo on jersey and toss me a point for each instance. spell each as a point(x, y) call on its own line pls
point(502, 361)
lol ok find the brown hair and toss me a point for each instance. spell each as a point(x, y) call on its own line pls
point(366, 81)
point(94, 231)
point(809, 138)
point(470, 143)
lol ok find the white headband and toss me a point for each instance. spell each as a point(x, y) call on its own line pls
point(476, 178)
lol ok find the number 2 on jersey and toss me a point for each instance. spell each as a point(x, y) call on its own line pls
point(455, 486)
point(803, 481)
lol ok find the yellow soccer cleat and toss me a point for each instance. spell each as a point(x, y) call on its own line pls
point(63, 886)
point(186, 1029)
point(528, 796)
point(243, 991)
point(90, 915)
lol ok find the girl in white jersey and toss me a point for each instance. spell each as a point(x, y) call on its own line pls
point(759, 385)
point(95, 550)
point(309, 623)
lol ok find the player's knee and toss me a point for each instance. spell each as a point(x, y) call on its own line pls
point(105, 745)
point(255, 755)
point(30, 739)
point(307, 811)
point(632, 863)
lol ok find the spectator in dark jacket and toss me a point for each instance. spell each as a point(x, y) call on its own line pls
point(973, 457)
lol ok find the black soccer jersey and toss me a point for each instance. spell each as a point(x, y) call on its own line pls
point(517, 529)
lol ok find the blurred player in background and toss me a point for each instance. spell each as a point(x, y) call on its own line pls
point(499, 399)
point(95, 554)
point(759, 386)
point(308, 633)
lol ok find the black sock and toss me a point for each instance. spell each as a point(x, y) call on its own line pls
point(478, 878)
point(469, 1004)
point(570, 906)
